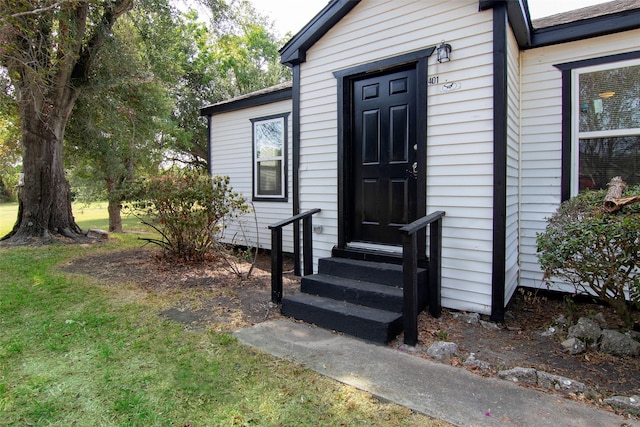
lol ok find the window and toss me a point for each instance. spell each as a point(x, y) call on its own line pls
point(605, 124)
point(269, 158)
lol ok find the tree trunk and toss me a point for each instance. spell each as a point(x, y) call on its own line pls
point(45, 198)
point(114, 208)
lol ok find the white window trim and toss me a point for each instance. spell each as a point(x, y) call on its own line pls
point(283, 154)
point(576, 135)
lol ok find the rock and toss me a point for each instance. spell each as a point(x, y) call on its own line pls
point(442, 350)
point(560, 320)
point(558, 383)
point(470, 318)
point(552, 330)
point(618, 344)
point(635, 335)
point(520, 375)
point(490, 325)
point(94, 233)
point(622, 402)
point(587, 330)
point(574, 346)
point(472, 362)
point(600, 320)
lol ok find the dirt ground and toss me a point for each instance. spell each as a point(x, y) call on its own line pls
point(214, 296)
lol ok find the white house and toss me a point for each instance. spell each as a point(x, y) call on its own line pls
point(380, 130)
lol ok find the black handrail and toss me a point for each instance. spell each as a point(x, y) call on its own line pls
point(276, 250)
point(411, 307)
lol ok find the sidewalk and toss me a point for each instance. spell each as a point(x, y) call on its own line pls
point(434, 389)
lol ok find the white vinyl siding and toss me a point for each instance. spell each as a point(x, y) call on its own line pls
point(459, 128)
point(541, 135)
point(513, 167)
point(232, 155)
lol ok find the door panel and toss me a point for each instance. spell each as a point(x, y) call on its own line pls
point(384, 156)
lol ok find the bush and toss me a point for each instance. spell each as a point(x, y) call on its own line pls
point(188, 209)
point(596, 252)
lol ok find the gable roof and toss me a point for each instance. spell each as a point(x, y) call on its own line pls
point(295, 50)
point(607, 18)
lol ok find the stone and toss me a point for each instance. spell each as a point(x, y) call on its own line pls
point(600, 320)
point(552, 330)
point(560, 320)
point(472, 362)
point(97, 234)
point(574, 346)
point(555, 382)
point(587, 330)
point(520, 375)
point(442, 350)
point(619, 344)
point(470, 318)
point(623, 402)
point(635, 335)
point(490, 325)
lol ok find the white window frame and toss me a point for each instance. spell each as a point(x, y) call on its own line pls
point(282, 195)
point(575, 118)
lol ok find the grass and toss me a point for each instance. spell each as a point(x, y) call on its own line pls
point(74, 351)
point(93, 215)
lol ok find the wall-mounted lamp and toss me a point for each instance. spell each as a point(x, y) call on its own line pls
point(444, 52)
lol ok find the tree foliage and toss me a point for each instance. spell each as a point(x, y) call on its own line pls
point(117, 125)
point(188, 209)
point(9, 141)
point(596, 252)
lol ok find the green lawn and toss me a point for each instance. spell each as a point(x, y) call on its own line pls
point(74, 351)
point(87, 216)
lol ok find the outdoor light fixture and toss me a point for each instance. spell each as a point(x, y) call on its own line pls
point(444, 52)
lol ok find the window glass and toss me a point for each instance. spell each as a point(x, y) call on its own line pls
point(607, 125)
point(609, 99)
point(269, 142)
point(269, 178)
point(603, 158)
point(269, 139)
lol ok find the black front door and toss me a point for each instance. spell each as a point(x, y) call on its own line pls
point(383, 158)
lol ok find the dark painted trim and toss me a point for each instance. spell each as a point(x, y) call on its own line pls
point(295, 51)
point(500, 108)
point(566, 68)
point(252, 101)
point(529, 38)
point(586, 28)
point(209, 131)
point(285, 155)
point(417, 60)
point(565, 163)
point(296, 166)
point(518, 12)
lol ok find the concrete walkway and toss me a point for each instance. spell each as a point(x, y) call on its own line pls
point(434, 389)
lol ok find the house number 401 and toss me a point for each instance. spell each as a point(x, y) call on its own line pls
point(433, 80)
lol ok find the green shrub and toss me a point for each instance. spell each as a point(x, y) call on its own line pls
point(595, 251)
point(188, 209)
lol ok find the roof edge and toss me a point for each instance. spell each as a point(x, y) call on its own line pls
point(268, 95)
point(587, 28)
point(295, 50)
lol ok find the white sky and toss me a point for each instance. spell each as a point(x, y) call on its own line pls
point(292, 15)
